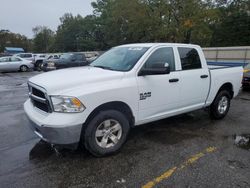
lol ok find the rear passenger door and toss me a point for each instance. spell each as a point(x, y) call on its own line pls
point(194, 79)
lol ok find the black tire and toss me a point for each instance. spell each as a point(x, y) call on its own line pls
point(38, 65)
point(38, 68)
point(89, 133)
point(244, 88)
point(215, 113)
point(24, 68)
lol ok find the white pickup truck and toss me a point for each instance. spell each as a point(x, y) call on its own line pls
point(127, 86)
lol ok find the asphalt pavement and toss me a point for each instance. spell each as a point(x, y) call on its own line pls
point(190, 150)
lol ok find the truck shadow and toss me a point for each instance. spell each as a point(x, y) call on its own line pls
point(168, 131)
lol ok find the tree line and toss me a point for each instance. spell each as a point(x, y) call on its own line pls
point(114, 22)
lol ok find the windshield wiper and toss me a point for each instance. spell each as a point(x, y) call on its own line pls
point(102, 67)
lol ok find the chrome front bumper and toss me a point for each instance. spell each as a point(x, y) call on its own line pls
point(62, 135)
point(65, 133)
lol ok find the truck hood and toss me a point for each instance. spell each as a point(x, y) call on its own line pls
point(57, 81)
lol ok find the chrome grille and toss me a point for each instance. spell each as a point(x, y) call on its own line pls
point(39, 98)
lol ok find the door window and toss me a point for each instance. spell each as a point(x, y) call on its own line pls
point(5, 59)
point(190, 58)
point(20, 55)
point(160, 57)
point(79, 57)
point(15, 59)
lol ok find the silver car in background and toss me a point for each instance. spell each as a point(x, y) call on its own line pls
point(14, 63)
point(27, 56)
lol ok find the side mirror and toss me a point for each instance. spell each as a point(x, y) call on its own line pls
point(155, 70)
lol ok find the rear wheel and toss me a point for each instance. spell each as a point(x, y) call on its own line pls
point(24, 68)
point(106, 133)
point(219, 108)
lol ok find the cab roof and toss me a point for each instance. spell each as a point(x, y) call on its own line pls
point(149, 45)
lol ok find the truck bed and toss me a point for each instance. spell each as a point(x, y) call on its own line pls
point(223, 74)
point(212, 67)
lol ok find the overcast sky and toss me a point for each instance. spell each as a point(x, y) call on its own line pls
point(21, 16)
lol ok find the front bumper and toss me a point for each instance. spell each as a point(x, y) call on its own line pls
point(46, 69)
point(31, 66)
point(63, 131)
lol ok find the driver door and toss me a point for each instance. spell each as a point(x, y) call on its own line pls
point(159, 94)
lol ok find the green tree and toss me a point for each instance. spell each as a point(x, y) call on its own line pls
point(43, 39)
point(78, 34)
point(9, 39)
point(126, 21)
point(233, 28)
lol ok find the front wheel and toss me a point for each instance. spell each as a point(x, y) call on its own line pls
point(24, 68)
point(219, 108)
point(106, 133)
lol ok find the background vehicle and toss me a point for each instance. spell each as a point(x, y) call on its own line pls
point(39, 59)
point(247, 68)
point(91, 56)
point(127, 86)
point(53, 56)
point(27, 56)
point(66, 60)
point(91, 59)
point(15, 64)
point(246, 77)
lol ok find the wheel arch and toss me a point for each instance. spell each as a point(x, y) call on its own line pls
point(114, 105)
point(228, 87)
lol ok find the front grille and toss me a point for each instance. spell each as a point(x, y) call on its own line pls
point(41, 106)
point(38, 93)
point(39, 98)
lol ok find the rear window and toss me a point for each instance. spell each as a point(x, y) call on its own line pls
point(190, 58)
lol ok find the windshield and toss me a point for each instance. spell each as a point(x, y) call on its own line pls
point(66, 56)
point(120, 58)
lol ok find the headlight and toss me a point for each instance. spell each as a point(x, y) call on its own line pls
point(67, 104)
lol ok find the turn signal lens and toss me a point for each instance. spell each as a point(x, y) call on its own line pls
point(76, 102)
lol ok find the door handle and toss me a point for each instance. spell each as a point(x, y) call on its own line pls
point(204, 76)
point(174, 80)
